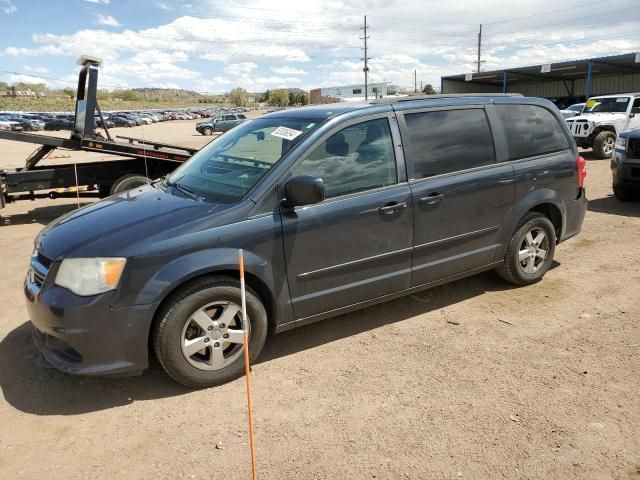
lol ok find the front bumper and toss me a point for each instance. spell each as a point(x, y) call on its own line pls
point(85, 335)
point(575, 213)
point(625, 171)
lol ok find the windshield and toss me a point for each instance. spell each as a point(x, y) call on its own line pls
point(227, 168)
point(577, 107)
point(609, 105)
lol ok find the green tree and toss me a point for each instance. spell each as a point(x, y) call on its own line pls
point(238, 96)
point(303, 98)
point(428, 89)
point(278, 98)
point(3, 86)
point(265, 96)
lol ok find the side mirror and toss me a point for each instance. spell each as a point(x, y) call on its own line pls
point(303, 190)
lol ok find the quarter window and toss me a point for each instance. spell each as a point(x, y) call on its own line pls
point(530, 130)
point(448, 141)
point(357, 158)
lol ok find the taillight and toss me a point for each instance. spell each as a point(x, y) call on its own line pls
point(582, 170)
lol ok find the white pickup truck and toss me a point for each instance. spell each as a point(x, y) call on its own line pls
point(602, 119)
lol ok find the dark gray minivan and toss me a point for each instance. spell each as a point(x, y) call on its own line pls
point(337, 207)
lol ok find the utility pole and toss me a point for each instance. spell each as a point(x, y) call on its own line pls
point(479, 49)
point(415, 81)
point(366, 60)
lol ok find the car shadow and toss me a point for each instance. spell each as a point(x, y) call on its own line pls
point(613, 206)
point(30, 385)
point(404, 308)
point(41, 215)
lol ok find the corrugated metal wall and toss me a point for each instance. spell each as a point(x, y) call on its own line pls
point(554, 89)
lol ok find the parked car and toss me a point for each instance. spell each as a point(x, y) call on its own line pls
point(27, 125)
point(603, 118)
point(336, 208)
point(122, 121)
point(58, 124)
point(572, 110)
point(222, 123)
point(625, 166)
point(10, 125)
point(107, 122)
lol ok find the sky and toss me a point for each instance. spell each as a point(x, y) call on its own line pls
point(212, 46)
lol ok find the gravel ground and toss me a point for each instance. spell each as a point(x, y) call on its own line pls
point(475, 379)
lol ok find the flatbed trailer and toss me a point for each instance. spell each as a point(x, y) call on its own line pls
point(145, 160)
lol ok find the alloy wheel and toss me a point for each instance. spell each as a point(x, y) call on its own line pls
point(533, 250)
point(212, 337)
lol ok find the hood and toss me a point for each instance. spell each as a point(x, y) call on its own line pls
point(600, 117)
point(121, 225)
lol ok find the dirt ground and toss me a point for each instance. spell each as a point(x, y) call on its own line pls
point(475, 379)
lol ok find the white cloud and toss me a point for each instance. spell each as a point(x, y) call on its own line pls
point(29, 68)
point(269, 43)
point(108, 20)
point(240, 68)
point(288, 71)
point(8, 7)
point(103, 2)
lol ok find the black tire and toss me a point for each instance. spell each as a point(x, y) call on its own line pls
point(511, 269)
point(624, 194)
point(172, 320)
point(127, 182)
point(207, 131)
point(603, 144)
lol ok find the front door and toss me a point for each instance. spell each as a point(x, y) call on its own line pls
point(461, 196)
point(356, 245)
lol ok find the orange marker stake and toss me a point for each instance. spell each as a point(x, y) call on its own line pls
point(247, 369)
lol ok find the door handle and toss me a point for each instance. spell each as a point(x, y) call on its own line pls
point(392, 208)
point(433, 199)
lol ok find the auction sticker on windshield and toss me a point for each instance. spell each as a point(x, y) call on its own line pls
point(286, 133)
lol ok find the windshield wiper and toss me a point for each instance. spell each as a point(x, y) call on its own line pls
point(186, 190)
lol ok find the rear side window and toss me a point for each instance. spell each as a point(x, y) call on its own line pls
point(531, 130)
point(448, 141)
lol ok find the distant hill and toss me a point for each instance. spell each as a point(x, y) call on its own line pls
point(150, 93)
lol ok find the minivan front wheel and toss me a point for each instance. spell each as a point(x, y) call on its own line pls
point(198, 336)
point(530, 251)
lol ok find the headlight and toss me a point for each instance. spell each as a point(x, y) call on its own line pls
point(90, 276)
point(621, 142)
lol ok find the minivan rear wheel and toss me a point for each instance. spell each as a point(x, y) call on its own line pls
point(198, 337)
point(530, 251)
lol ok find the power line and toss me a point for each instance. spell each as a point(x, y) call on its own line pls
point(508, 20)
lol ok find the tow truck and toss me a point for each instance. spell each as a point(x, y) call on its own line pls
point(143, 160)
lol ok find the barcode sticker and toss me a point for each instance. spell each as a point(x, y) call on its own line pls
point(286, 133)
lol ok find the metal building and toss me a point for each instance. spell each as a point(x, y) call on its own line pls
point(563, 82)
point(348, 93)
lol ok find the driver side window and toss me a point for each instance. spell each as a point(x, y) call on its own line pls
point(357, 158)
point(636, 106)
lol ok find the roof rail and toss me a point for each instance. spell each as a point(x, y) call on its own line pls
point(442, 95)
